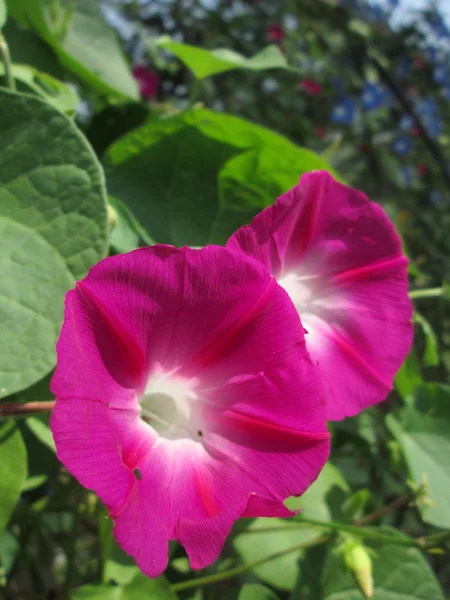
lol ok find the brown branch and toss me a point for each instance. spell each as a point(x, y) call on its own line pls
point(384, 509)
point(17, 409)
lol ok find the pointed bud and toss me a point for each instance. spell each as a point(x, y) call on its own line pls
point(113, 217)
point(358, 561)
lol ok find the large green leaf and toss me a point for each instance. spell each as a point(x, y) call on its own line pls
point(195, 178)
point(51, 181)
point(322, 501)
point(424, 435)
point(32, 286)
point(83, 41)
point(204, 63)
point(253, 545)
point(53, 224)
point(13, 469)
point(399, 573)
point(141, 588)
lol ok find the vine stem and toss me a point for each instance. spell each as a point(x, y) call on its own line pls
point(427, 293)
point(422, 543)
point(6, 58)
point(17, 409)
point(216, 577)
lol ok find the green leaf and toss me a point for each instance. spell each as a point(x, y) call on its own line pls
point(32, 287)
point(254, 591)
point(53, 225)
point(51, 181)
point(84, 43)
point(423, 432)
point(409, 377)
point(42, 432)
point(60, 95)
point(282, 572)
point(141, 588)
point(34, 482)
point(399, 573)
point(431, 354)
point(204, 63)
point(9, 548)
point(13, 469)
point(119, 567)
point(3, 13)
point(323, 500)
point(195, 178)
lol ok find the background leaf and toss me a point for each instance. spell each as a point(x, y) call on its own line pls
point(13, 470)
point(141, 588)
point(84, 43)
point(195, 178)
point(254, 591)
point(204, 63)
point(398, 573)
point(423, 432)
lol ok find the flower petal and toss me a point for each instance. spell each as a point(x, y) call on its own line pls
point(341, 261)
point(220, 319)
point(100, 446)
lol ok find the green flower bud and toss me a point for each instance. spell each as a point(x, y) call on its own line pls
point(358, 561)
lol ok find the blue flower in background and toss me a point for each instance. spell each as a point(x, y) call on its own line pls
point(433, 125)
point(402, 145)
point(404, 68)
point(373, 14)
point(344, 111)
point(437, 24)
point(427, 108)
point(440, 74)
point(406, 123)
point(375, 95)
point(337, 82)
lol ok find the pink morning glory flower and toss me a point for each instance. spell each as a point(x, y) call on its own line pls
point(148, 81)
point(340, 259)
point(185, 398)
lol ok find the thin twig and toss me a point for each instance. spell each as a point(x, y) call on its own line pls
point(216, 577)
point(17, 409)
point(384, 510)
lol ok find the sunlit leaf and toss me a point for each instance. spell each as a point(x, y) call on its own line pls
point(204, 63)
point(83, 41)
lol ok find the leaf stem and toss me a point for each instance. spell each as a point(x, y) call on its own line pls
point(380, 512)
point(17, 409)
point(427, 293)
point(6, 58)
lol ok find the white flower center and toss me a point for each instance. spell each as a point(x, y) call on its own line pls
point(298, 289)
point(167, 405)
